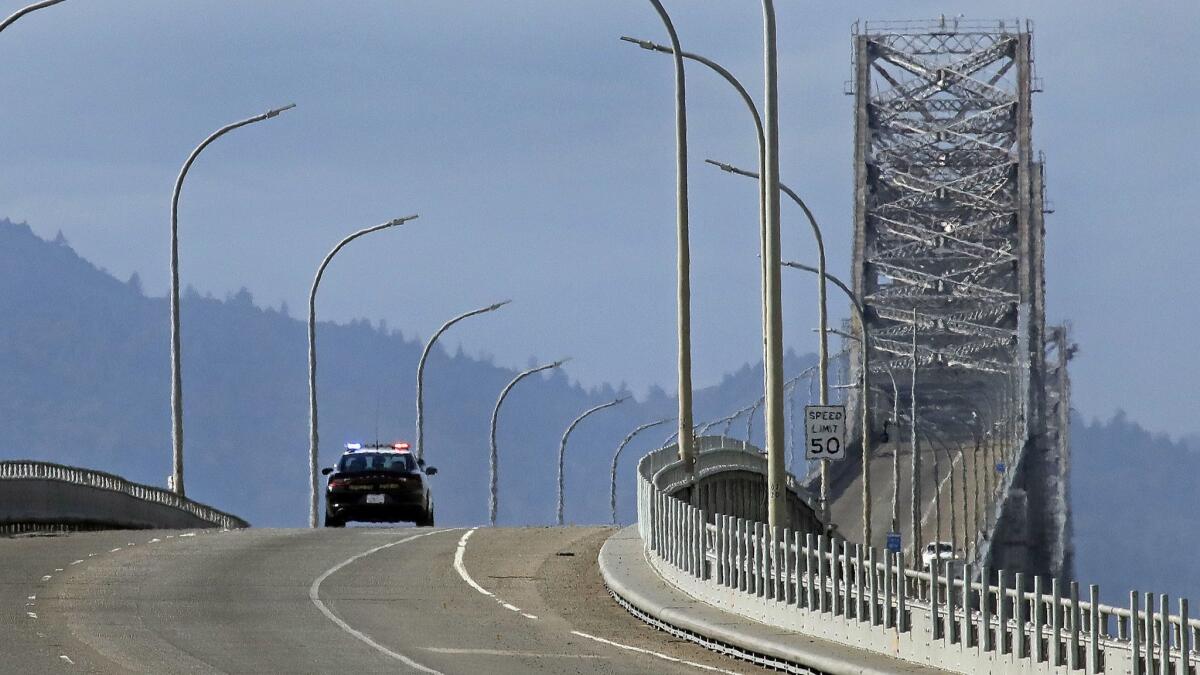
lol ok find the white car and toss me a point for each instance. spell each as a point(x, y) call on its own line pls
point(939, 550)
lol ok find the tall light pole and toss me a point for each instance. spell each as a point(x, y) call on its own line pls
point(12, 18)
point(860, 315)
point(421, 370)
point(562, 449)
point(687, 446)
point(176, 369)
point(312, 362)
point(762, 154)
point(492, 463)
point(777, 513)
point(915, 469)
point(822, 299)
point(612, 489)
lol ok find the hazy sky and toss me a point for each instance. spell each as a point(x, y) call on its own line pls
point(538, 150)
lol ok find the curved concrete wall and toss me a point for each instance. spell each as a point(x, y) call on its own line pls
point(54, 502)
point(36, 494)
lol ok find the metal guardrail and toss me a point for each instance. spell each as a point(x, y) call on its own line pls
point(34, 470)
point(867, 599)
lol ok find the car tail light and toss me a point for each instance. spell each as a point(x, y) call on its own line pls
point(338, 483)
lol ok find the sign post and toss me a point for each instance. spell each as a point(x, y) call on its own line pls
point(825, 432)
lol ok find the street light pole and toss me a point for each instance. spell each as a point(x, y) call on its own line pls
point(562, 449)
point(312, 361)
point(762, 157)
point(492, 463)
point(612, 490)
point(864, 351)
point(12, 18)
point(687, 446)
point(176, 369)
point(421, 370)
point(777, 512)
point(822, 300)
point(916, 455)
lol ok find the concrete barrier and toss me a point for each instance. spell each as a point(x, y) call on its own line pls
point(43, 495)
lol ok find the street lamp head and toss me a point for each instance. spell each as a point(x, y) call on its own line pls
point(275, 111)
point(402, 220)
point(560, 362)
point(498, 305)
point(646, 44)
point(721, 165)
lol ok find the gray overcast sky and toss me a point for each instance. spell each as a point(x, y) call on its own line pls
point(538, 150)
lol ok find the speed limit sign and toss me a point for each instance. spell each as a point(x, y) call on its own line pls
point(825, 432)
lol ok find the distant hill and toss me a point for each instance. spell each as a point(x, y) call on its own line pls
point(84, 379)
point(1136, 507)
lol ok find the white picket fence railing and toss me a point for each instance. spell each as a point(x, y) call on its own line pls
point(948, 616)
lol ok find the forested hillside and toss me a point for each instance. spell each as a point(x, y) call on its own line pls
point(85, 381)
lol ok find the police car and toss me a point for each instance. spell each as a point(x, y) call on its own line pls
point(378, 484)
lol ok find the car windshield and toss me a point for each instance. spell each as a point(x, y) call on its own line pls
point(376, 461)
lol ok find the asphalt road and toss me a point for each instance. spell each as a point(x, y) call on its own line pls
point(358, 600)
point(846, 508)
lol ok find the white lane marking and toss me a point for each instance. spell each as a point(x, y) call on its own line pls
point(131, 544)
point(932, 502)
point(505, 652)
point(170, 536)
point(32, 597)
point(66, 658)
point(47, 577)
point(664, 657)
point(76, 562)
point(32, 615)
point(461, 568)
point(58, 569)
point(91, 555)
point(115, 549)
point(154, 541)
point(189, 534)
point(31, 604)
point(314, 594)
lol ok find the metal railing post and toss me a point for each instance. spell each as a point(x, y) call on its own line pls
point(1164, 659)
point(934, 618)
point(1055, 624)
point(985, 610)
point(1135, 633)
point(1073, 655)
point(1019, 645)
point(1002, 642)
point(1039, 652)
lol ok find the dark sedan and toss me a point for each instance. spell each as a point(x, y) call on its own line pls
point(378, 484)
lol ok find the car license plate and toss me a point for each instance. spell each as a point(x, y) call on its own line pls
point(374, 499)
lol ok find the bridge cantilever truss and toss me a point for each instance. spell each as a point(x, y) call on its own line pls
point(948, 211)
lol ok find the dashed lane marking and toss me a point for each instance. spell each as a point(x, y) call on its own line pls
point(461, 568)
point(505, 652)
point(655, 654)
point(314, 594)
point(66, 658)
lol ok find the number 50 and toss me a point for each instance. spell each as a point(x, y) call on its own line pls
point(829, 446)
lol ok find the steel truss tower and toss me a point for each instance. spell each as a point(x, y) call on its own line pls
point(948, 219)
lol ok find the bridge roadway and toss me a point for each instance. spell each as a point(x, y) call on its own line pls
point(846, 505)
point(358, 600)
